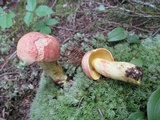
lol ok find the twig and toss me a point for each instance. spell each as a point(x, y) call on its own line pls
point(146, 4)
point(8, 36)
point(73, 16)
point(135, 7)
point(100, 112)
point(138, 28)
point(139, 14)
point(80, 102)
point(10, 73)
point(156, 32)
point(115, 8)
point(130, 26)
point(54, 3)
point(8, 59)
point(3, 114)
point(66, 40)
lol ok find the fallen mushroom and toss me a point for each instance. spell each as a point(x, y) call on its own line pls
point(43, 49)
point(101, 62)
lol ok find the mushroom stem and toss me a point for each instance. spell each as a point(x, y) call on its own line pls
point(118, 70)
point(55, 71)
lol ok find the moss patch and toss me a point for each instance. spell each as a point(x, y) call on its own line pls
point(105, 99)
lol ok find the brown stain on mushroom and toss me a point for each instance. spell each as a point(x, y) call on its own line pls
point(134, 72)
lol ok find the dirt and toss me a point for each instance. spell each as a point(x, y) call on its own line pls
point(87, 21)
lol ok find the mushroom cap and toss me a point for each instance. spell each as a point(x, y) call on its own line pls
point(90, 56)
point(38, 47)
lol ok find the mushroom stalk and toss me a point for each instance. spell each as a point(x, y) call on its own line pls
point(54, 70)
point(118, 70)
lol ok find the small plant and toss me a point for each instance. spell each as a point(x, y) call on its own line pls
point(119, 34)
point(41, 13)
point(153, 105)
point(6, 19)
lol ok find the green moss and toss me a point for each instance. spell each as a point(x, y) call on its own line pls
point(106, 98)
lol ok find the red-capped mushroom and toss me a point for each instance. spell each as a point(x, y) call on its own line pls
point(44, 49)
point(100, 62)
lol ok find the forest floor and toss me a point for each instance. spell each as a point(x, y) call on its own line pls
point(18, 83)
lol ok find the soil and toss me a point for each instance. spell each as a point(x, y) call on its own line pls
point(87, 21)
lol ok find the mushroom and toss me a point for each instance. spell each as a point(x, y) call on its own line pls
point(101, 62)
point(43, 49)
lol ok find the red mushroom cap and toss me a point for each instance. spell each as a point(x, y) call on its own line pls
point(38, 47)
